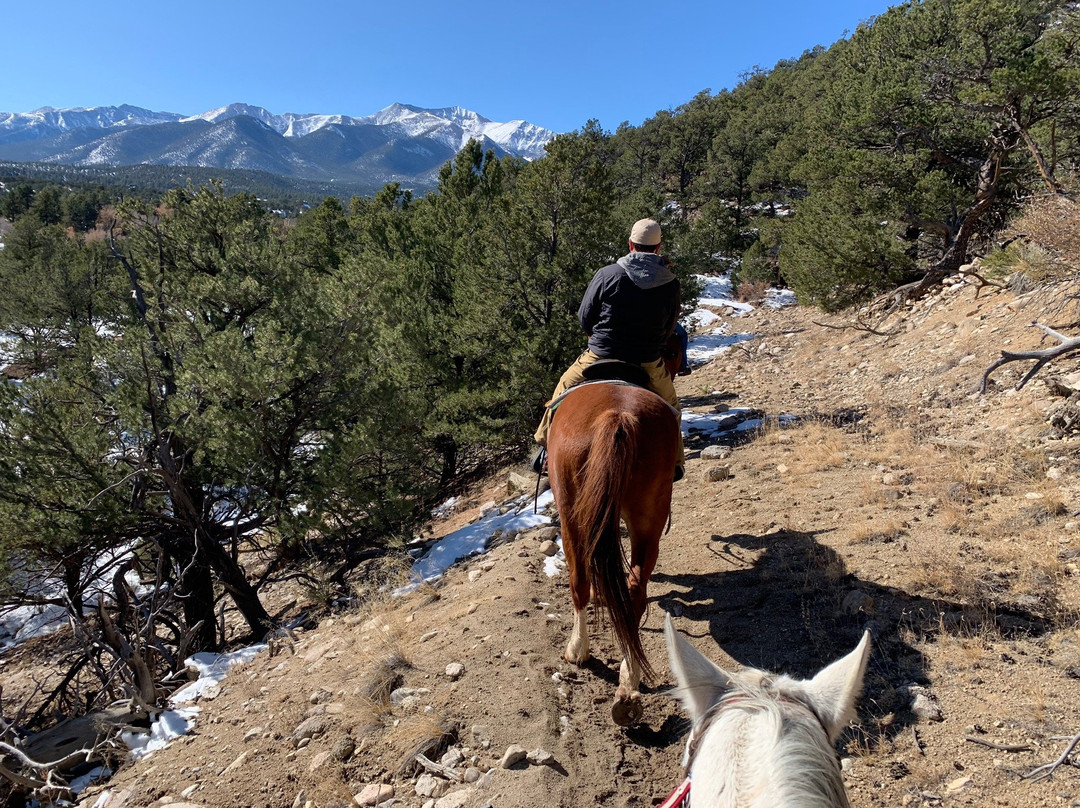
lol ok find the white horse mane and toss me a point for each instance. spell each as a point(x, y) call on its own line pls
point(761, 741)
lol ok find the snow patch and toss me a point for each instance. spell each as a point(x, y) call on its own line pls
point(171, 724)
point(473, 539)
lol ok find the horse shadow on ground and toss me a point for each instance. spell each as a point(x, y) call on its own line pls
point(796, 608)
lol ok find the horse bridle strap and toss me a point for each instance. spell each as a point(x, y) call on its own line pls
point(680, 797)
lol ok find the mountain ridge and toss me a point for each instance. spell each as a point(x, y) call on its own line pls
point(399, 143)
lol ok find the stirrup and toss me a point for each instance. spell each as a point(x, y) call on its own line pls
point(680, 472)
point(539, 461)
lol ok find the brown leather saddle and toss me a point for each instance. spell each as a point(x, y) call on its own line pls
point(615, 370)
point(608, 371)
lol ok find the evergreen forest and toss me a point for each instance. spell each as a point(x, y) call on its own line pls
point(217, 397)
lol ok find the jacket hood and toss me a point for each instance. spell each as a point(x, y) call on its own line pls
point(646, 270)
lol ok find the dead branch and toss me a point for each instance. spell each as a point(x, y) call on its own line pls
point(58, 691)
point(79, 755)
point(145, 689)
point(918, 743)
point(858, 326)
point(1004, 747)
point(1046, 770)
point(438, 768)
point(1068, 345)
point(21, 779)
point(983, 282)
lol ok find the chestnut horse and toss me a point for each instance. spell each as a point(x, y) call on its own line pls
point(611, 454)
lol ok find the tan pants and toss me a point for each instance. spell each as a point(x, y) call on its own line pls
point(659, 382)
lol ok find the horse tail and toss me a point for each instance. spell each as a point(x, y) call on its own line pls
point(615, 441)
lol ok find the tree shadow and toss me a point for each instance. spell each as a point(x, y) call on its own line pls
point(796, 608)
point(706, 399)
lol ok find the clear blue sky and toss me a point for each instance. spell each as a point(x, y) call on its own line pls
point(555, 63)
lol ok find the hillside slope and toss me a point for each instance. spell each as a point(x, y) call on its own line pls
point(900, 501)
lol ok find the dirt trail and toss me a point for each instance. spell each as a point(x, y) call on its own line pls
point(944, 522)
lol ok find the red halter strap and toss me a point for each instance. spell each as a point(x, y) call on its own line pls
point(679, 797)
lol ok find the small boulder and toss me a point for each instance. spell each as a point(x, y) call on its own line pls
point(541, 757)
point(482, 735)
point(373, 794)
point(718, 473)
point(958, 784)
point(428, 785)
point(400, 694)
point(454, 671)
point(716, 452)
point(344, 748)
point(318, 761)
point(456, 799)
point(513, 755)
point(543, 534)
point(312, 727)
point(925, 707)
point(452, 758)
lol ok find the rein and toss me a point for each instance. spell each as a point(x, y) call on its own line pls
point(680, 797)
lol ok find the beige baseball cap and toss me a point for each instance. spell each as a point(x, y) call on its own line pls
point(645, 232)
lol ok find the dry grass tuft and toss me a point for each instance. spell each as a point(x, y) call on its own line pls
point(427, 734)
point(966, 650)
point(897, 445)
point(821, 446)
point(381, 576)
point(380, 680)
point(954, 517)
point(321, 590)
point(1050, 229)
point(942, 573)
point(960, 478)
point(752, 291)
point(879, 531)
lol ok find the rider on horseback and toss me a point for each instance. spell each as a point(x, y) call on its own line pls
point(628, 311)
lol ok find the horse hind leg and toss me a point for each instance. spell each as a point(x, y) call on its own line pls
point(628, 706)
point(645, 531)
point(577, 649)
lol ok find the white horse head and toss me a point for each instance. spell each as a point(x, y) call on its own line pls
point(764, 741)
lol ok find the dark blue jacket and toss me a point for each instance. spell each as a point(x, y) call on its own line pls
point(630, 308)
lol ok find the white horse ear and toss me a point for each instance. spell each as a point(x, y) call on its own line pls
point(700, 682)
point(833, 692)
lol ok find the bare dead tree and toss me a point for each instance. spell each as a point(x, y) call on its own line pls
point(1067, 346)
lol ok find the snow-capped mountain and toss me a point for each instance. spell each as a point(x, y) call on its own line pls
point(48, 122)
point(453, 126)
point(400, 143)
point(456, 125)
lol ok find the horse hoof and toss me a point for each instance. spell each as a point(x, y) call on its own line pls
point(627, 710)
point(573, 660)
